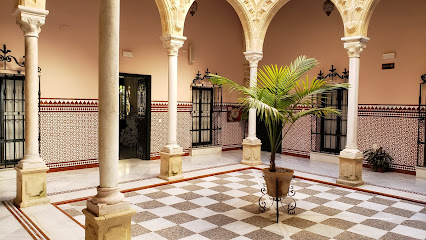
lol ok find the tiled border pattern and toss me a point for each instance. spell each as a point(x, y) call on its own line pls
point(392, 126)
point(69, 132)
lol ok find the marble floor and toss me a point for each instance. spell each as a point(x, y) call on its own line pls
point(226, 206)
point(134, 173)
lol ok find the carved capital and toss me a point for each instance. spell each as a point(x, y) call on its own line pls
point(355, 45)
point(30, 20)
point(172, 44)
point(253, 58)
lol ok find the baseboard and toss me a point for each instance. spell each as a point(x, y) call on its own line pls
point(324, 157)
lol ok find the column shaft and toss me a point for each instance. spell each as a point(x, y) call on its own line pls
point(252, 111)
point(351, 137)
point(31, 98)
point(172, 107)
point(109, 23)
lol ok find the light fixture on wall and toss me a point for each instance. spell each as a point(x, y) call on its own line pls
point(328, 7)
point(193, 8)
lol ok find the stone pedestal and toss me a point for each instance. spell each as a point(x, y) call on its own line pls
point(251, 152)
point(31, 187)
point(113, 224)
point(421, 172)
point(350, 171)
point(171, 166)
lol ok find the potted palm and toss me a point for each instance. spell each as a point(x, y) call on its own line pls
point(378, 159)
point(278, 94)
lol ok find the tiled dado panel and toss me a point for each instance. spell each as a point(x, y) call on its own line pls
point(392, 127)
point(68, 132)
point(298, 138)
point(232, 132)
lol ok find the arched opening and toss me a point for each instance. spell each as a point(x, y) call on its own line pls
point(217, 44)
point(290, 35)
point(396, 27)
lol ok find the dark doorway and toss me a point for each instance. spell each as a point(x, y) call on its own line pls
point(262, 134)
point(135, 116)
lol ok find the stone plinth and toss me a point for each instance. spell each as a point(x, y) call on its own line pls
point(171, 166)
point(112, 226)
point(421, 172)
point(205, 150)
point(31, 187)
point(251, 152)
point(350, 171)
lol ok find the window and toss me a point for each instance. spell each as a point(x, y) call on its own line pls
point(12, 119)
point(206, 112)
point(328, 133)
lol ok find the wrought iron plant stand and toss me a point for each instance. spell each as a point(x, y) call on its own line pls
point(290, 207)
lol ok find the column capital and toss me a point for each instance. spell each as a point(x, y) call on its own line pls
point(253, 58)
point(355, 45)
point(172, 44)
point(30, 20)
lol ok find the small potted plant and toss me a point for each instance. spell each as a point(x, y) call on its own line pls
point(378, 159)
point(277, 96)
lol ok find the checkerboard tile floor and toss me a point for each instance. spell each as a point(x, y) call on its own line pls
point(226, 207)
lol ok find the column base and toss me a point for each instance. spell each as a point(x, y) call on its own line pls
point(350, 183)
point(421, 172)
point(115, 224)
point(350, 171)
point(251, 152)
point(31, 187)
point(171, 166)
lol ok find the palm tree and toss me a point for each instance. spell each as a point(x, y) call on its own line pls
point(278, 93)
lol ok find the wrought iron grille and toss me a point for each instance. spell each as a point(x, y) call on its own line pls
point(421, 133)
point(206, 112)
point(12, 111)
point(328, 133)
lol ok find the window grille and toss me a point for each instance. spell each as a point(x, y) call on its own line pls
point(12, 111)
point(206, 112)
point(328, 133)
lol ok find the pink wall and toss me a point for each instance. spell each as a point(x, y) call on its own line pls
point(68, 46)
point(302, 28)
point(69, 52)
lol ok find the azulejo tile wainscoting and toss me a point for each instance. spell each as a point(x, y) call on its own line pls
point(394, 127)
point(69, 131)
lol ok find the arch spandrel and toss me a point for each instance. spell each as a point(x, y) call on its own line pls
point(173, 14)
point(356, 15)
point(256, 15)
point(39, 4)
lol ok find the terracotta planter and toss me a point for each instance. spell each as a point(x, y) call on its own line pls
point(282, 176)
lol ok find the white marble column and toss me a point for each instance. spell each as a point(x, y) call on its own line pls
point(171, 161)
point(31, 170)
point(251, 144)
point(108, 214)
point(350, 166)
